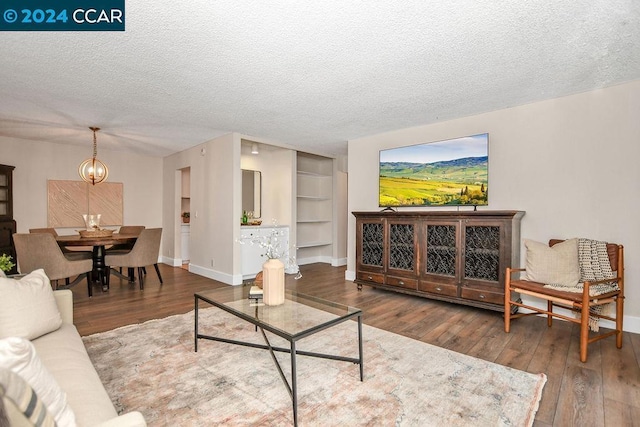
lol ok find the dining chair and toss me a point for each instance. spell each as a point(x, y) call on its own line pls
point(126, 247)
point(80, 252)
point(51, 231)
point(40, 250)
point(123, 248)
point(131, 229)
point(144, 252)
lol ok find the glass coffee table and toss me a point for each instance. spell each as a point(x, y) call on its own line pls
point(299, 317)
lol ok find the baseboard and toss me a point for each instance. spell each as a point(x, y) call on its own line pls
point(631, 324)
point(174, 262)
point(335, 262)
point(313, 260)
point(338, 262)
point(350, 275)
point(229, 279)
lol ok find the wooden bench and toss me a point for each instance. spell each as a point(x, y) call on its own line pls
point(574, 301)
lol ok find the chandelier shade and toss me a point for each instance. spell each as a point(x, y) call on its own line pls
point(93, 170)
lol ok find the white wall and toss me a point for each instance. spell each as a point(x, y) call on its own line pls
point(571, 163)
point(341, 212)
point(172, 181)
point(39, 161)
point(215, 207)
point(275, 165)
point(278, 189)
point(216, 202)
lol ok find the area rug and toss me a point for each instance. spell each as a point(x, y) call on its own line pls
point(152, 368)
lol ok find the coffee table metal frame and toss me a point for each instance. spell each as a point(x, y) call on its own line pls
point(350, 313)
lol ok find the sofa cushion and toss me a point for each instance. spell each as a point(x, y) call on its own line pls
point(555, 265)
point(65, 355)
point(19, 355)
point(27, 306)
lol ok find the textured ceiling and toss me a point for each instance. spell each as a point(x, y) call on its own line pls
point(311, 75)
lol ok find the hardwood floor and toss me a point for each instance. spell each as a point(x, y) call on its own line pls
point(604, 391)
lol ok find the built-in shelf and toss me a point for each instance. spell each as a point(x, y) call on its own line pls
point(315, 174)
point(301, 196)
point(314, 194)
point(313, 244)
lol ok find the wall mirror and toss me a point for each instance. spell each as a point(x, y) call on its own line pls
point(252, 192)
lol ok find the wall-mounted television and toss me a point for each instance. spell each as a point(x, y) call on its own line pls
point(453, 172)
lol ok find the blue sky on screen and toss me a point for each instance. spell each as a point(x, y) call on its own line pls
point(468, 146)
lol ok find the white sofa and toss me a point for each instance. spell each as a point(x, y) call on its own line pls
point(63, 354)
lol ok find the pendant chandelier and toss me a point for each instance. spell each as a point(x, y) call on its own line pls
point(93, 170)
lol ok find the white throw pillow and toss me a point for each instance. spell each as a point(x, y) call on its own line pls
point(555, 265)
point(20, 396)
point(27, 306)
point(19, 356)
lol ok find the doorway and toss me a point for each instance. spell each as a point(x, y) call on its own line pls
point(185, 217)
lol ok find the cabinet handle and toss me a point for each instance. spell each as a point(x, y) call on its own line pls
point(482, 296)
point(400, 283)
point(369, 277)
point(438, 289)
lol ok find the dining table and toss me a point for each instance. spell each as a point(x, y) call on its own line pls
point(100, 271)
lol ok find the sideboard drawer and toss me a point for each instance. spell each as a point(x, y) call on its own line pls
point(371, 277)
point(481, 295)
point(402, 282)
point(439, 288)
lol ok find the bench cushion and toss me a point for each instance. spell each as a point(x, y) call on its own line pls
point(556, 265)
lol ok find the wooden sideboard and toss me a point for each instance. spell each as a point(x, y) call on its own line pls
point(7, 223)
point(458, 257)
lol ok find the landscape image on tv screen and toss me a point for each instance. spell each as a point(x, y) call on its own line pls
point(453, 172)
